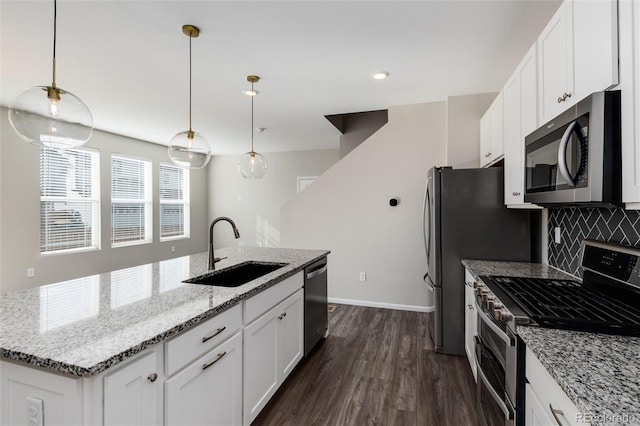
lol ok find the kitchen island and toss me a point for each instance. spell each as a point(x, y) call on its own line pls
point(82, 329)
point(599, 373)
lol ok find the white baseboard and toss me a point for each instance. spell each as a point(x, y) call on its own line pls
point(395, 306)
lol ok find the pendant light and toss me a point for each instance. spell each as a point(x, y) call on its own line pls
point(189, 149)
point(252, 165)
point(50, 116)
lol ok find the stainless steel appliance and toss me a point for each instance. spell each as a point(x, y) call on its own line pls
point(465, 217)
point(575, 158)
point(606, 301)
point(316, 319)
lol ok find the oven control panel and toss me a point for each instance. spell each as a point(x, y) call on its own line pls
point(612, 261)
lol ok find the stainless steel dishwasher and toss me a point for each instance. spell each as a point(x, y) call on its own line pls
point(316, 320)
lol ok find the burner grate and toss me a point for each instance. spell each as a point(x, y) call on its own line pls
point(568, 304)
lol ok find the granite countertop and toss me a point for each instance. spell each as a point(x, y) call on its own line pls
point(83, 326)
point(600, 373)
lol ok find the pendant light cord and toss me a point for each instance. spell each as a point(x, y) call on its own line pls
point(55, 16)
point(190, 38)
point(252, 91)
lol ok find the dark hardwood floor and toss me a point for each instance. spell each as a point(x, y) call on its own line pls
point(377, 367)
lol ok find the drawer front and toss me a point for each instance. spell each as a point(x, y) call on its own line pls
point(193, 343)
point(262, 302)
point(555, 401)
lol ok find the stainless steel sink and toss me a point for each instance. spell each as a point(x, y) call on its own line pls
point(236, 275)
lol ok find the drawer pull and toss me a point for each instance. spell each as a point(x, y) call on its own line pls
point(205, 366)
point(152, 377)
point(555, 412)
point(515, 194)
point(564, 97)
point(284, 314)
point(470, 306)
point(218, 331)
point(487, 155)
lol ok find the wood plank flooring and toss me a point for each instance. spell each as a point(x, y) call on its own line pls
point(377, 367)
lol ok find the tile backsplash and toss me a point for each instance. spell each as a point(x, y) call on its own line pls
point(612, 225)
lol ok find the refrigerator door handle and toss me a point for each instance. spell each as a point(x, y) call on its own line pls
point(426, 280)
point(426, 229)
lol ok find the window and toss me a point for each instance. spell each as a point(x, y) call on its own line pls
point(69, 200)
point(174, 202)
point(131, 221)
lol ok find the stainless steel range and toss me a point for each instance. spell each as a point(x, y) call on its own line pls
point(606, 301)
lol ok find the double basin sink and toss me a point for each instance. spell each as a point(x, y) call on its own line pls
point(235, 276)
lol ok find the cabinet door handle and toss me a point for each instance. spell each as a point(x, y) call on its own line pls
point(284, 314)
point(564, 97)
point(152, 377)
point(488, 154)
point(555, 412)
point(470, 306)
point(205, 366)
point(218, 331)
point(515, 194)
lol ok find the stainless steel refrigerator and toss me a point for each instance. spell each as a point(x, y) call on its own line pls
point(465, 218)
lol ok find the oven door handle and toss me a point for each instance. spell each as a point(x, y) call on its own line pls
point(503, 406)
point(504, 336)
point(562, 155)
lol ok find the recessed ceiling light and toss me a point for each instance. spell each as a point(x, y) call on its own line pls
point(380, 75)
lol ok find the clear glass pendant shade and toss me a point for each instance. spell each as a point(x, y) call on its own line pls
point(51, 117)
point(252, 165)
point(189, 152)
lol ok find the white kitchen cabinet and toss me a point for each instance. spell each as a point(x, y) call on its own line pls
point(577, 54)
point(595, 46)
point(470, 322)
point(492, 133)
point(630, 99)
point(273, 345)
point(555, 64)
point(520, 119)
point(209, 390)
point(133, 393)
point(61, 396)
point(545, 399)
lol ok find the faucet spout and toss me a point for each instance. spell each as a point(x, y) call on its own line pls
point(212, 258)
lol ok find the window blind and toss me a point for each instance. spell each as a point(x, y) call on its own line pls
point(69, 200)
point(130, 201)
point(174, 202)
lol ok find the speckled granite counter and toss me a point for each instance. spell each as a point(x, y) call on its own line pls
point(84, 326)
point(600, 373)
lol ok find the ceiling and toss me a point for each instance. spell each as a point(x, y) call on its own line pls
point(128, 61)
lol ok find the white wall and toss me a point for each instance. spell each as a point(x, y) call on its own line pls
point(463, 128)
point(347, 211)
point(254, 205)
point(20, 214)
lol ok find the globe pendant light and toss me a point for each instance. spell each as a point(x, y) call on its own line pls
point(252, 165)
point(189, 149)
point(50, 116)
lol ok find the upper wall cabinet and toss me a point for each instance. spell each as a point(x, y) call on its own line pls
point(492, 133)
point(577, 54)
point(520, 119)
point(630, 93)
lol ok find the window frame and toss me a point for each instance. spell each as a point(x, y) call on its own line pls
point(147, 201)
point(185, 202)
point(95, 199)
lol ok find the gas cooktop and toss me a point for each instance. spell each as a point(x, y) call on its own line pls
point(570, 305)
point(606, 301)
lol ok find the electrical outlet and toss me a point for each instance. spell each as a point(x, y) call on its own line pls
point(31, 272)
point(35, 411)
point(557, 235)
point(363, 276)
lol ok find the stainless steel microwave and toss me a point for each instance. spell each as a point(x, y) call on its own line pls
point(574, 159)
